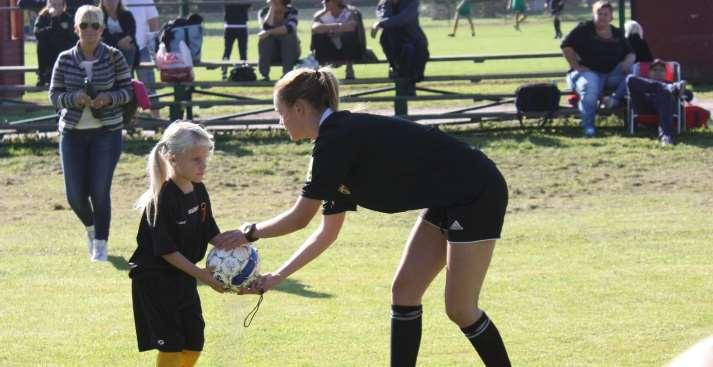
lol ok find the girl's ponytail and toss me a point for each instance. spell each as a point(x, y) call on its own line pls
point(157, 173)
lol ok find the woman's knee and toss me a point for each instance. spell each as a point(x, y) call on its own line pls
point(462, 314)
point(406, 292)
point(76, 196)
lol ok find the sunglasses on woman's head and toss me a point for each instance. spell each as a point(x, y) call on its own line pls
point(95, 26)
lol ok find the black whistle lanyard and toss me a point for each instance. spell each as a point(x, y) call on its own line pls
point(251, 315)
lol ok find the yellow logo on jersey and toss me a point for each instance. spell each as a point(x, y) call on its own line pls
point(344, 190)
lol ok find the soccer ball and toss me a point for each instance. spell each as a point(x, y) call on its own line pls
point(235, 268)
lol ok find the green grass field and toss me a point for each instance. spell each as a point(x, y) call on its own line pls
point(604, 260)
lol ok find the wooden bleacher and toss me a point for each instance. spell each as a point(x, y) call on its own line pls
point(183, 93)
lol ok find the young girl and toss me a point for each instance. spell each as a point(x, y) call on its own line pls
point(462, 192)
point(176, 225)
point(463, 10)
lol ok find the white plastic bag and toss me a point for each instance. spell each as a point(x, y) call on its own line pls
point(309, 62)
point(175, 66)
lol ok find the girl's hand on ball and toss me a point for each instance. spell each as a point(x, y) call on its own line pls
point(212, 282)
point(217, 286)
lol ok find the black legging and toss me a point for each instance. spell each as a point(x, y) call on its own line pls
point(239, 34)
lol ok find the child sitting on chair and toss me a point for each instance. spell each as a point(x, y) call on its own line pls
point(657, 94)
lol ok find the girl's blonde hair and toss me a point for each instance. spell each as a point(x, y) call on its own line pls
point(319, 88)
point(178, 138)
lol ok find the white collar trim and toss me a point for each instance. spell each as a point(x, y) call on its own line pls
point(327, 112)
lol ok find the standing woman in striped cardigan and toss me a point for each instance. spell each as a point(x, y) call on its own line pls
point(90, 84)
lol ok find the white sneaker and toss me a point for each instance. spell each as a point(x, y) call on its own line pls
point(666, 141)
point(100, 250)
point(90, 243)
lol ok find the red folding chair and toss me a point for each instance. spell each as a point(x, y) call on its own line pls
point(673, 74)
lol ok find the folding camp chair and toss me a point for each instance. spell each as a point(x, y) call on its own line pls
point(638, 113)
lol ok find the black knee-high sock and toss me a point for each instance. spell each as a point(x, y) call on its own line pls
point(487, 342)
point(405, 335)
point(558, 30)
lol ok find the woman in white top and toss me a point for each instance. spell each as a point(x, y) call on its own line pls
point(338, 35)
point(90, 85)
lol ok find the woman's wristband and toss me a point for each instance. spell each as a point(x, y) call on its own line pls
point(249, 232)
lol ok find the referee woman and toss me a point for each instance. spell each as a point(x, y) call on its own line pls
point(392, 165)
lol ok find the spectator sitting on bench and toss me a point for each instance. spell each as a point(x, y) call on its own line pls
point(654, 93)
point(278, 40)
point(599, 57)
point(54, 30)
point(338, 35)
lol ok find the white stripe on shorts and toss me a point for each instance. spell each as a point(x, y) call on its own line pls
point(474, 242)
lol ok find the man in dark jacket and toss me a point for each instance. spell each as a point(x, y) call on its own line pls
point(403, 41)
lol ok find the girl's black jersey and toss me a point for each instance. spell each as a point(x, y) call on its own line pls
point(184, 223)
point(391, 165)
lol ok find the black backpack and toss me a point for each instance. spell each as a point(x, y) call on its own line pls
point(242, 73)
point(538, 98)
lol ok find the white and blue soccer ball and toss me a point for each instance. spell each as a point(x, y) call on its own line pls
point(235, 268)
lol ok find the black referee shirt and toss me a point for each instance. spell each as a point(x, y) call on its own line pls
point(391, 165)
point(184, 223)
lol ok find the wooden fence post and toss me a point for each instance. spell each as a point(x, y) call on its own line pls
point(400, 102)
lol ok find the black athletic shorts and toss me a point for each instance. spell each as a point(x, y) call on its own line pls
point(167, 312)
point(479, 220)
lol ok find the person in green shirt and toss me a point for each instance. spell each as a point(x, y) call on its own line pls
point(519, 7)
point(463, 10)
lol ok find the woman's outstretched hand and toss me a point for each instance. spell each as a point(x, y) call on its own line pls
point(262, 284)
point(229, 240)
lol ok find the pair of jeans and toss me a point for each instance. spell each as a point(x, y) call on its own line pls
point(146, 75)
point(89, 158)
point(647, 95)
point(589, 85)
